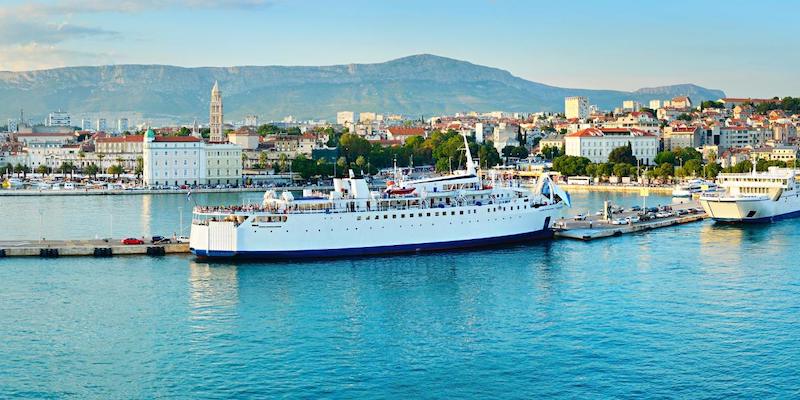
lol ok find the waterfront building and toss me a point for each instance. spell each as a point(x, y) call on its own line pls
point(123, 150)
point(597, 143)
point(187, 160)
point(173, 160)
point(216, 115)
point(223, 164)
point(58, 118)
point(576, 107)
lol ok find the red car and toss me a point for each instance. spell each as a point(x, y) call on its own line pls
point(132, 241)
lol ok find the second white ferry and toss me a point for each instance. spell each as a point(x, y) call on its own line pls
point(754, 197)
point(448, 212)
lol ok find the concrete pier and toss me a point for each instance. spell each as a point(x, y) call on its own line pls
point(90, 248)
point(596, 228)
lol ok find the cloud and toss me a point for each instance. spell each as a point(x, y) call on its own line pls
point(21, 31)
point(134, 6)
point(33, 34)
point(33, 56)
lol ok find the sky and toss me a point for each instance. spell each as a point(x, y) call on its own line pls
point(747, 49)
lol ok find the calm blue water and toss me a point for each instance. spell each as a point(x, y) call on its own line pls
point(698, 311)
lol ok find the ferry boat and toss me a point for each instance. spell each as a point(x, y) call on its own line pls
point(439, 213)
point(754, 197)
point(693, 187)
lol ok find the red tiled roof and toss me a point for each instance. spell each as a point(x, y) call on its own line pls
point(120, 139)
point(600, 132)
point(176, 139)
point(406, 131)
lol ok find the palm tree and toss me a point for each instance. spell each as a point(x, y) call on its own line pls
point(41, 169)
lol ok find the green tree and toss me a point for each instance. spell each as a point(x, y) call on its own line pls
point(622, 169)
point(115, 170)
point(666, 170)
point(684, 117)
point(361, 162)
point(184, 131)
point(711, 170)
point(139, 170)
point(42, 169)
point(571, 165)
point(665, 157)
point(693, 167)
point(92, 170)
point(551, 152)
point(622, 154)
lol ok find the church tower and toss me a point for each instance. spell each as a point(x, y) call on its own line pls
point(215, 117)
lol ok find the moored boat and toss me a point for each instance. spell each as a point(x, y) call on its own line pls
point(439, 213)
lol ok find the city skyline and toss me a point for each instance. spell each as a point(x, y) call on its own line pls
point(620, 45)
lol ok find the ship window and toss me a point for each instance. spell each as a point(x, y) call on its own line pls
point(402, 215)
point(429, 214)
point(461, 213)
point(411, 215)
point(437, 214)
point(452, 213)
point(419, 215)
point(385, 216)
point(358, 218)
point(394, 216)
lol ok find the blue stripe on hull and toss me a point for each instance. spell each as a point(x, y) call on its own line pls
point(793, 214)
point(378, 250)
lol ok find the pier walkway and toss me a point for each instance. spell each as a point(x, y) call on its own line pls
point(594, 227)
point(95, 248)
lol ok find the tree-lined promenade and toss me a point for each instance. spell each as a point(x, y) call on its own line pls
point(679, 163)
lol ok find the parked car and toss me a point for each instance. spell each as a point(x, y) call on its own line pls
point(132, 241)
point(652, 209)
point(682, 212)
point(633, 219)
point(183, 239)
point(636, 208)
point(579, 217)
point(158, 239)
point(663, 214)
point(619, 221)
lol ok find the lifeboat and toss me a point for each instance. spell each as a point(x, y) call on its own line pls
point(400, 191)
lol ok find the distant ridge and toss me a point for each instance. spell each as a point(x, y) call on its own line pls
point(414, 85)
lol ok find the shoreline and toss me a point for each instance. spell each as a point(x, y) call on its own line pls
point(619, 189)
point(122, 192)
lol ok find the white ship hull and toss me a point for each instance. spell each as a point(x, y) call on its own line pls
point(751, 208)
point(385, 232)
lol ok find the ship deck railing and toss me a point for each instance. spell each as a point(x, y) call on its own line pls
point(222, 211)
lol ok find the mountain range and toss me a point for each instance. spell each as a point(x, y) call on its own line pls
point(415, 85)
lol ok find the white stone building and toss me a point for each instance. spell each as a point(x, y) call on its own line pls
point(597, 143)
point(346, 118)
point(216, 134)
point(187, 160)
point(576, 107)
